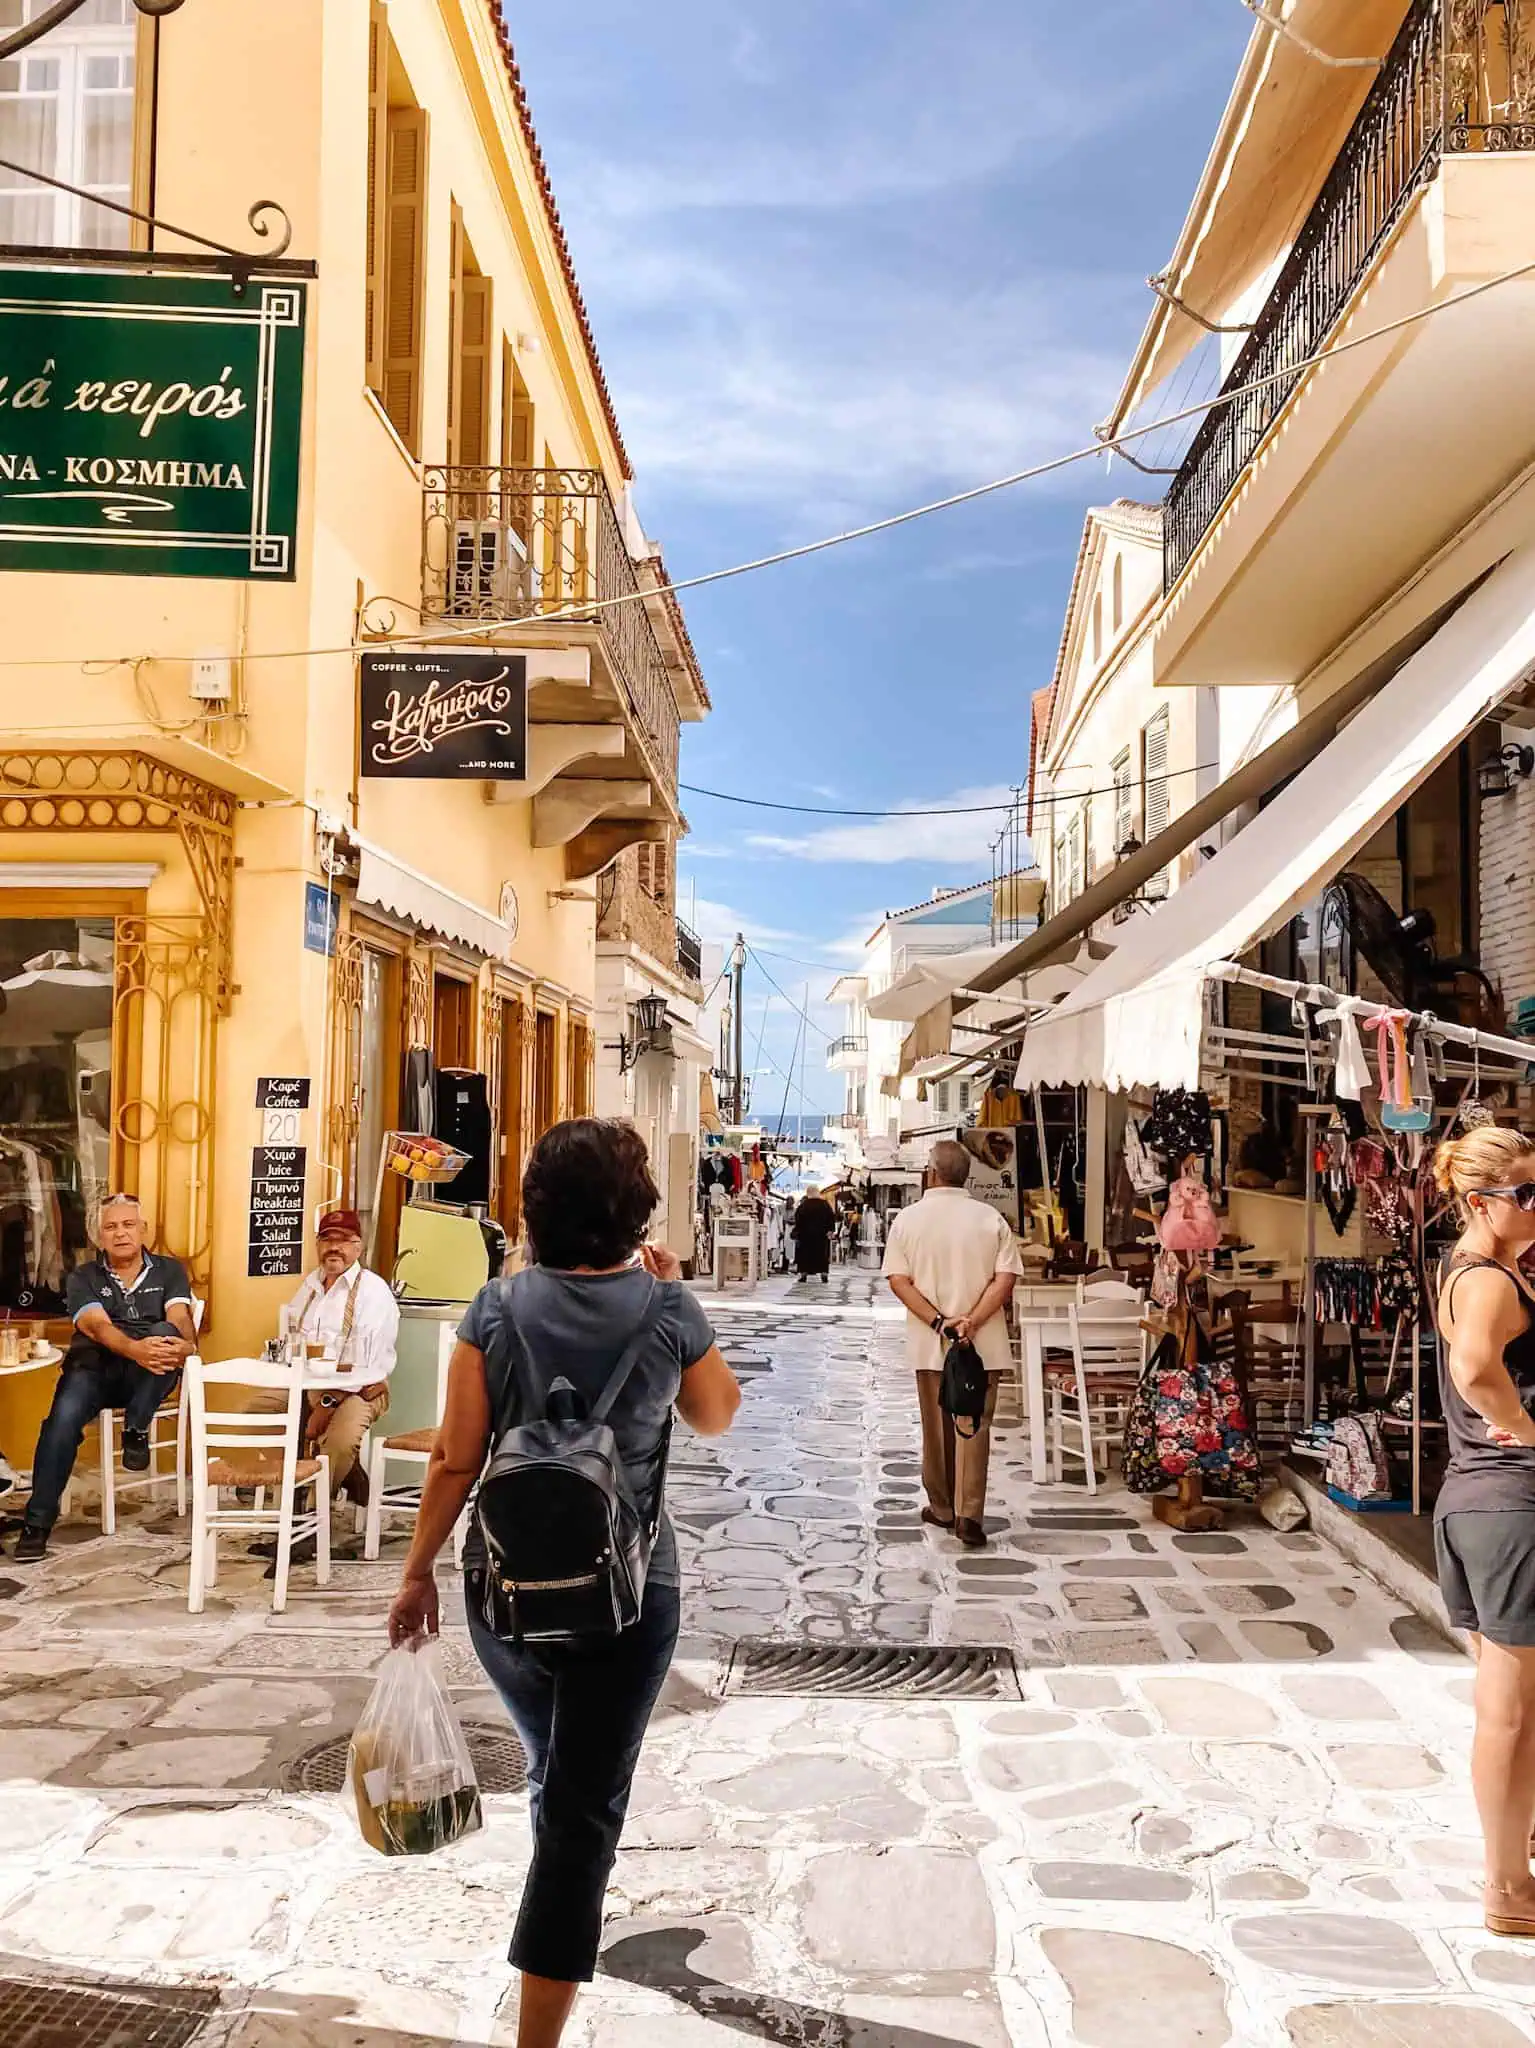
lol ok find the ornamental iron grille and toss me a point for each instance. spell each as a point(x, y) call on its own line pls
point(502, 544)
point(1460, 77)
point(172, 975)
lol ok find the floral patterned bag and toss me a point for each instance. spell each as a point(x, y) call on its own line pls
point(1142, 1467)
point(1188, 1418)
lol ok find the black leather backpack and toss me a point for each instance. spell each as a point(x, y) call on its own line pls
point(567, 1544)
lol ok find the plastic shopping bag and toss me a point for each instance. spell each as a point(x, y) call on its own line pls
point(408, 1766)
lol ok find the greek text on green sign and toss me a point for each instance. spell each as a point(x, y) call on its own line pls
point(150, 425)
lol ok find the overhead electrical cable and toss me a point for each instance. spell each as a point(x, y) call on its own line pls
point(1064, 796)
point(753, 954)
point(437, 633)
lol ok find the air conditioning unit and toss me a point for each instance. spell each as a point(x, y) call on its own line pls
point(489, 573)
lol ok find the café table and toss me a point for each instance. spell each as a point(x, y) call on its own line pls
point(40, 1361)
point(1035, 1323)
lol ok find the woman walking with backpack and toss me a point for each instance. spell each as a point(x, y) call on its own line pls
point(599, 1336)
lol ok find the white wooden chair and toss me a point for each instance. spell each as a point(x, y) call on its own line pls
point(1097, 1289)
point(1035, 1300)
point(267, 1457)
point(109, 1428)
point(412, 1448)
point(1108, 1354)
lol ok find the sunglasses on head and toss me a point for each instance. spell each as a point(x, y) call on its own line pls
point(1524, 1194)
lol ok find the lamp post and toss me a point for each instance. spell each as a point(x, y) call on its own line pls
point(52, 17)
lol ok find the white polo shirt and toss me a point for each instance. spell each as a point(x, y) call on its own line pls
point(952, 1247)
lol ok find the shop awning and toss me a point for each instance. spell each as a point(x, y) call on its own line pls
point(927, 982)
point(390, 885)
point(1138, 1019)
point(940, 1044)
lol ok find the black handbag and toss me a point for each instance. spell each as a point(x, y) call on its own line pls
point(962, 1388)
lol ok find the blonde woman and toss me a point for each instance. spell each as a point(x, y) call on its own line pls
point(1485, 1518)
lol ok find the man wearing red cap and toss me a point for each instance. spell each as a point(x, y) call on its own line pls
point(354, 1315)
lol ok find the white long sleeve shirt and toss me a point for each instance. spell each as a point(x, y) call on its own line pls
point(319, 1314)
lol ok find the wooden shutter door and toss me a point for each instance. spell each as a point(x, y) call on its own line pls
point(474, 372)
point(1156, 776)
point(378, 162)
point(455, 331)
point(405, 230)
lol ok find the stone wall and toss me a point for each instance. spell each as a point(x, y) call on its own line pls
point(1508, 891)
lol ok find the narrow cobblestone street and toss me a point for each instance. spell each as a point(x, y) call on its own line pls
point(1231, 1804)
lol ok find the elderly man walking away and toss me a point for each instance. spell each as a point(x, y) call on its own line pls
point(953, 1263)
point(132, 1312)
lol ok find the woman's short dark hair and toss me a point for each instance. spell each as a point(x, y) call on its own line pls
point(588, 1194)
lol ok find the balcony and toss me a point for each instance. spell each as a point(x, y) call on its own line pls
point(511, 545)
point(845, 1052)
point(690, 953)
point(1341, 479)
point(839, 1125)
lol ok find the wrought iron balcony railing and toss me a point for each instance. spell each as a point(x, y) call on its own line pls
point(1460, 76)
point(845, 1048)
point(510, 544)
point(690, 952)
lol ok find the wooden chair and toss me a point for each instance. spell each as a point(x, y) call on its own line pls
point(1098, 1289)
point(412, 1448)
point(172, 1415)
point(1108, 1355)
point(1269, 1352)
point(266, 1456)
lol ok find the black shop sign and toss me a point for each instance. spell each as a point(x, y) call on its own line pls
point(276, 1238)
point(445, 716)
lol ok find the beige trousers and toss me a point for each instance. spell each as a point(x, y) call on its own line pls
point(954, 1467)
point(344, 1433)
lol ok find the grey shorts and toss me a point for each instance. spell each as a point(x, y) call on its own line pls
point(1487, 1573)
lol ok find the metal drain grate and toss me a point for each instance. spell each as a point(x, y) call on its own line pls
point(498, 1759)
point(44, 2012)
point(874, 1671)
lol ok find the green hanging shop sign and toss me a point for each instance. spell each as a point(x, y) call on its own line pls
point(150, 425)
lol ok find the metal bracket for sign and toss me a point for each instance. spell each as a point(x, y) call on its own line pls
point(242, 262)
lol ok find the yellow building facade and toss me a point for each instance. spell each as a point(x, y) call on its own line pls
point(201, 883)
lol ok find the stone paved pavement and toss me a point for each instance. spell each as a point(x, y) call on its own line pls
point(1230, 1805)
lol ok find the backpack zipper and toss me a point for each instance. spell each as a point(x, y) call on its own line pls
point(549, 1585)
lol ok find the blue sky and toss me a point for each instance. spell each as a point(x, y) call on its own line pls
point(843, 256)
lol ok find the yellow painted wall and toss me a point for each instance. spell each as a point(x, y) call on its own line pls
point(271, 102)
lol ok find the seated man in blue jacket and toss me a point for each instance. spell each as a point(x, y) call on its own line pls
point(132, 1312)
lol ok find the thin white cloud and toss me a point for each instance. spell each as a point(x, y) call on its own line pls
point(961, 837)
point(719, 922)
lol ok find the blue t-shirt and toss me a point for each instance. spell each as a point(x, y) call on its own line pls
point(579, 1325)
point(138, 1306)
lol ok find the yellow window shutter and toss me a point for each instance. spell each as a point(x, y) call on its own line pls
point(378, 161)
point(405, 253)
point(474, 372)
point(455, 330)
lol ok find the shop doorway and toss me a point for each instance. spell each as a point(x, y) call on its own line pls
point(545, 1072)
point(452, 1022)
point(514, 1043)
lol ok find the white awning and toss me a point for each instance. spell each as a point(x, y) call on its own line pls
point(926, 982)
point(404, 892)
point(1137, 1019)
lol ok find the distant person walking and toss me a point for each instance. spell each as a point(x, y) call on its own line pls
point(953, 1263)
point(815, 1222)
point(581, 1707)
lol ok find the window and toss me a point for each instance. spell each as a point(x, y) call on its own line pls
point(1124, 821)
point(55, 1101)
point(653, 873)
point(941, 1097)
point(468, 351)
point(517, 436)
point(1097, 628)
point(396, 240)
point(1087, 840)
point(962, 1092)
point(1154, 775)
point(545, 1107)
point(66, 107)
point(1074, 858)
point(1060, 873)
point(1119, 592)
point(1154, 800)
point(452, 1022)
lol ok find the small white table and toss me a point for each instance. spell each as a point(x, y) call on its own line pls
point(41, 1362)
point(1036, 1325)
